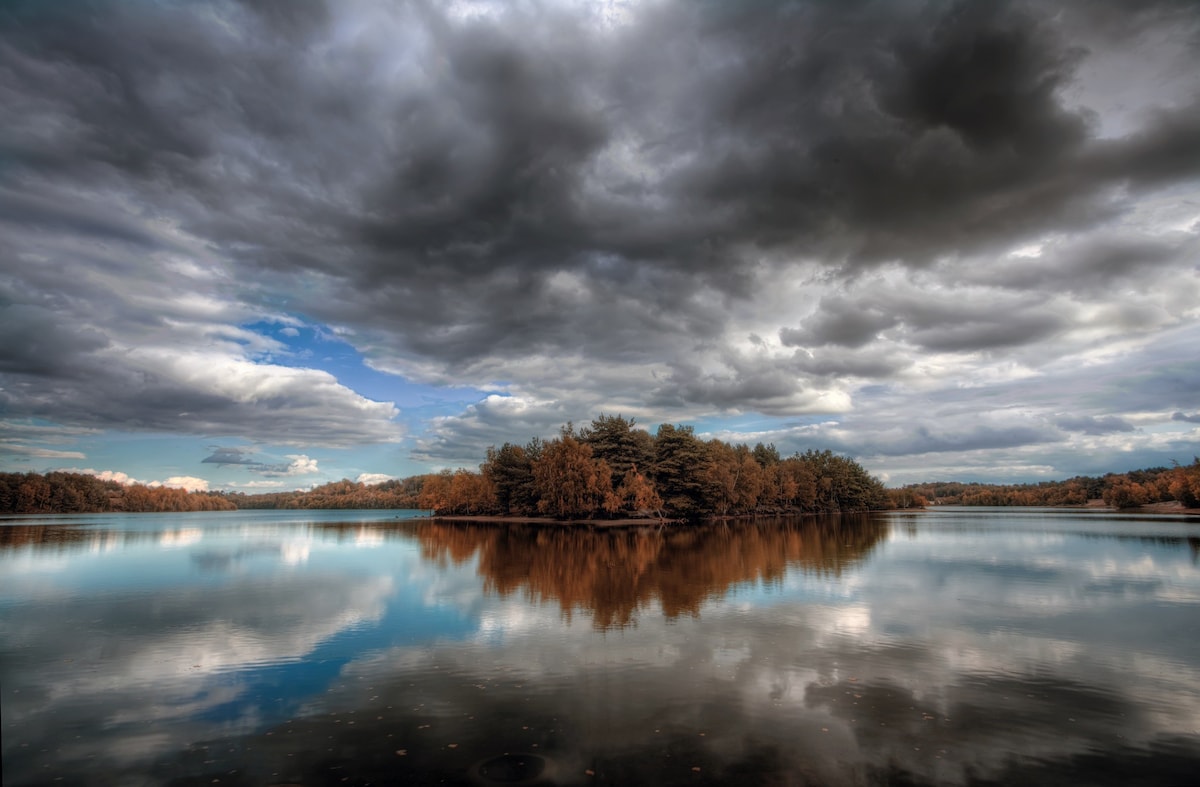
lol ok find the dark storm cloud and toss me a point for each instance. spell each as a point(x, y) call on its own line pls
point(460, 440)
point(867, 364)
point(902, 135)
point(841, 323)
point(990, 74)
point(36, 343)
point(528, 196)
point(1163, 378)
point(950, 437)
point(1089, 424)
point(1193, 418)
point(771, 388)
point(987, 334)
point(964, 322)
point(230, 456)
point(458, 172)
point(1092, 265)
point(245, 457)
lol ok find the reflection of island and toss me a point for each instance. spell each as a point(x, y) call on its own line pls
point(612, 574)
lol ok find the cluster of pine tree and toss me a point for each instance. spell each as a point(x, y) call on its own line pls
point(610, 468)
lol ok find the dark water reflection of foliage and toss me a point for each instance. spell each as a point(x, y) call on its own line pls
point(611, 574)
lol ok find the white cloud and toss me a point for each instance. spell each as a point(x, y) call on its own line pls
point(188, 482)
point(37, 452)
point(260, 485)
point(301, 464)
point(113, 475)
point(104, 475)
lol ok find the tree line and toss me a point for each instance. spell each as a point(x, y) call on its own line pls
point(344, 494)
point(1180, 483)
point(80, 493)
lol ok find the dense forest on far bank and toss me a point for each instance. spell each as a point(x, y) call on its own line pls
point(80, 493)
point(1119, 490)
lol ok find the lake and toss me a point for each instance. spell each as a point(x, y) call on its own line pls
point(950, 646)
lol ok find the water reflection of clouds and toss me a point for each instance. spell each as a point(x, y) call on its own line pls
point(941, 662)
point(295, 553)
point(512, 618)
point(881, 665)
point(208, 658)
point(368, 538)
point(746, 687)
point(180, 538)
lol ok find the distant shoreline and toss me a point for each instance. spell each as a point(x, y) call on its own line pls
point(1168, 507)
point(543, 521)
point(1172, 507)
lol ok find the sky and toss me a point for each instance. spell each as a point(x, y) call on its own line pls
point(260, 245)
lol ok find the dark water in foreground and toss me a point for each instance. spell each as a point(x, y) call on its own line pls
point(964, 646)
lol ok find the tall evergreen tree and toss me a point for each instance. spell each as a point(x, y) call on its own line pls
point(510, 471)
point(615, 440)
point(680, 464)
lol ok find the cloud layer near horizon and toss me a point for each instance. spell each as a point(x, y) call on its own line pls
point(956, 234)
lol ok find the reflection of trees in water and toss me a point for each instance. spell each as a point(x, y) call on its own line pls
point(66, 538)
point(613, 573)
point(17, 536)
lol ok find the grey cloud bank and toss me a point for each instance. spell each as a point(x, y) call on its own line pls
point(888, 228)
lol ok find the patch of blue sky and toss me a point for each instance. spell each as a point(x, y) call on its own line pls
point(142, 455)
point(315, 346)
point(751, 423)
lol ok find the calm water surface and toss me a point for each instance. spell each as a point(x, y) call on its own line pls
point(954, 646)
